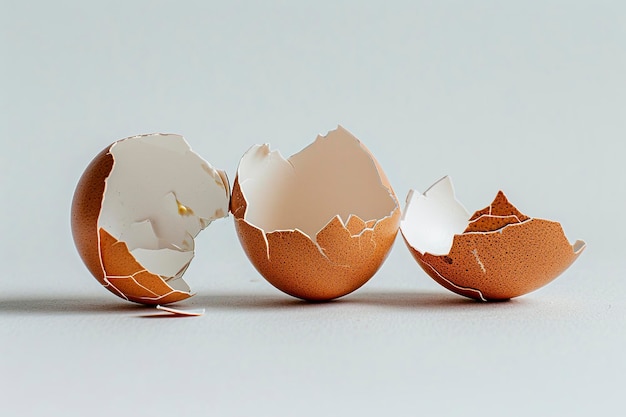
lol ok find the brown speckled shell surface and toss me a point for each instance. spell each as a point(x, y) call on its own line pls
point(86, 207)
point(513, 261)
point(502, 254)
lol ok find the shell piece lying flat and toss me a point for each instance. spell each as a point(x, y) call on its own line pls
point(181, 313)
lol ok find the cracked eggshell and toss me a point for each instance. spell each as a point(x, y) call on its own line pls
point(135, 213)
point(318, 225)
point(496, 254)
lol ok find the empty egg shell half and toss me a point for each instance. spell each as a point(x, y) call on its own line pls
point(136, 211)
point(317, 225)
point(496, 254)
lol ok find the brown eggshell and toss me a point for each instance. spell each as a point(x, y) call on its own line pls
point(501, 254)
point(489, 223)
point(86, 210)
point(129, 279)
point(336, 261)
point(109, 259)
point(500, 206)
point(504, 264)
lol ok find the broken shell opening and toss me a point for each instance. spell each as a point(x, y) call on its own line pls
point(335, 176)
point(431, 220)
point(319, 224)
point(158, 196)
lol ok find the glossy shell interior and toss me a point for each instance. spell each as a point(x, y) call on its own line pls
point(318, 225)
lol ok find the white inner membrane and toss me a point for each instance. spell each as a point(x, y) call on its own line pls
point(158, 197)
point(332, 176)
point(431, 220)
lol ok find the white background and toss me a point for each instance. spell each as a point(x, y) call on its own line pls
point(528, 97)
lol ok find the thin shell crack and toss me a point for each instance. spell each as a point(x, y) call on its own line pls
point(473, 290)
point(478, 261)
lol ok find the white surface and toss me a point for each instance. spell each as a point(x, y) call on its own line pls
point(333, 176)
point(146, 216)
point(529, 98)
point(432, 218)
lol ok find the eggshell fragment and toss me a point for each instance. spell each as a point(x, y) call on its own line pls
point(496, 254)
point(319, 224)
point(181, 313)
point(136, 211)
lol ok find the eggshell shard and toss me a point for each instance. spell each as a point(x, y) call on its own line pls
point(318, 225)
point(495, 254)
point(136, 211)
point(181, 313)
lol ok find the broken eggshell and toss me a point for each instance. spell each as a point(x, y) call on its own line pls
point(496, 254)
point(136, 211)
point(318, 225)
